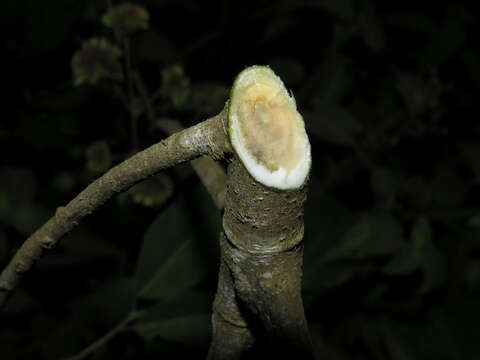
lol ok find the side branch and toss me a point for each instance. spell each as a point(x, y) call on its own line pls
point(207, 138)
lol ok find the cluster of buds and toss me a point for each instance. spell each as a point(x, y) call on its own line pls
point(98, 59)
point(152, 192)
point(126, 18)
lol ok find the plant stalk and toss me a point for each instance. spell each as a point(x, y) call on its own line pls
point(262, 250)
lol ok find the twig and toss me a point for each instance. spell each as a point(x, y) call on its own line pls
point(105, 338)
point(206, 138)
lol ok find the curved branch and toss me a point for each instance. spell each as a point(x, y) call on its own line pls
point(231, 335)
point(206, 138)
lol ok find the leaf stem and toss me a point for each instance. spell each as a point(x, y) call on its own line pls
point(121, 326)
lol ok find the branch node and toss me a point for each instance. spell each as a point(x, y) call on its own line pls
point(59, 212)
point(21, 266)
point(47, 242)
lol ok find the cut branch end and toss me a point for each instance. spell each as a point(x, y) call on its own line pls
point(266, 130)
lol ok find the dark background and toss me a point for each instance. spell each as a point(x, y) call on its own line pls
point(389, 92)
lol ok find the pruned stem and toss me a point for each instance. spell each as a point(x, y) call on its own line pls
point(263, 250)
point(262, 245)
point(231, 336)
point(206, 138)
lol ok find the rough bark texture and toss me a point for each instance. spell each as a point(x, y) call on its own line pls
point(262, 250)
point(231, 335)
point(206, 138)
point(211, 174)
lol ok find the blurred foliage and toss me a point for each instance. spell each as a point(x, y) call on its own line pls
point(175, 84)
point(388, 92)
point(99, 157)
point(154, 191)
point(97, 60)
point(126, 18)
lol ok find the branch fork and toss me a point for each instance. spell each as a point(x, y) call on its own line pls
point(259, 289)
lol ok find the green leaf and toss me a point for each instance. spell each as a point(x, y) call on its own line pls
point(162, 239)
point(28, 217)
point(192, 329)
point(385, 186)
point(79, 248)
point(182, 270)
point(371, 235)
point(327, 276)
point(113, 300)
point(190, 303)
point(172, 257)
point(420, 253)
point(370, 28)
point(433, 267)
point(411, 256)
point(185, 319)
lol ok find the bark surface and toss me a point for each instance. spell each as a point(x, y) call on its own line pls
point(262, 261)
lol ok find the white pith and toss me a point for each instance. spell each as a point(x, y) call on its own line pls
point(262, 83)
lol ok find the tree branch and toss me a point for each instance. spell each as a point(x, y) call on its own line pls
point(231, 335)
point(262, 248)
point(207, 138)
